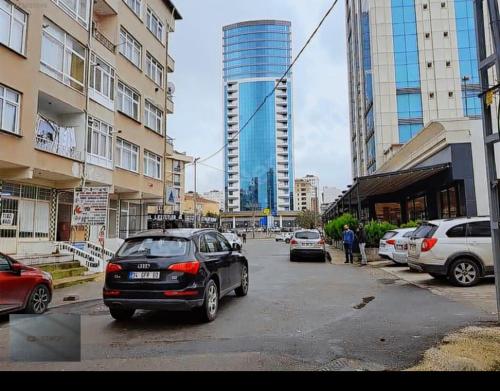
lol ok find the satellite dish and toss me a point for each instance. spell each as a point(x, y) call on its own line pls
point(170, 88)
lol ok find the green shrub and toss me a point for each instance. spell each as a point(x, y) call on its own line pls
point(376, 230)
point(335, 227)
point(411, 224)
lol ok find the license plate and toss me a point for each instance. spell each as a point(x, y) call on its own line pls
point(144, 276)
point(400, 247)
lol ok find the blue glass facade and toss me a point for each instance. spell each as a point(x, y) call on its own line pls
point(467, 53)
point(256, 55)
point(407, 69)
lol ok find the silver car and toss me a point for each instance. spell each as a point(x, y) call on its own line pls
point(307, 244)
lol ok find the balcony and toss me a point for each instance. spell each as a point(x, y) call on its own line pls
point(170, 64)
point(60, 128)
point(233, 163)
point(106, 7)
point(101, 38)
point(170, 105)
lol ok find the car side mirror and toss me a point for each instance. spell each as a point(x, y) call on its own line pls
point(236, 247)
point(17, 268)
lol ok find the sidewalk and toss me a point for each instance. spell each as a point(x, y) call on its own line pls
point(82, 292)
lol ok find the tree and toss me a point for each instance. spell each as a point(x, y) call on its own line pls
point(308, 219)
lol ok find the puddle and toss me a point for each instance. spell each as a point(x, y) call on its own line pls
point(365, 301)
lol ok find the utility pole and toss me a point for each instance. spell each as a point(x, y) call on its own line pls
point(194, 195)
point(491, 137)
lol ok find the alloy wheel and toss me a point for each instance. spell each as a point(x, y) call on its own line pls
point(40, 300)
point(465, 273)
point(244, 278)
point(212, 299)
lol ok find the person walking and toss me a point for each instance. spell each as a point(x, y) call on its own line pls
point(244, 236)
point(348, 240)
point(361, 236)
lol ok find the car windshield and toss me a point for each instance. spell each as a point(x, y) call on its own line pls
point(154, 247)
point(424, 231)
point(307, 235)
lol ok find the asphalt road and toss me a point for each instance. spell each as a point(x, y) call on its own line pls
point(297, 316)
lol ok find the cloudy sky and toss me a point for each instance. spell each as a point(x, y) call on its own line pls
point(320, 85)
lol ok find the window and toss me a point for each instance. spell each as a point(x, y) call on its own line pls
point(154, 70)
point(153, 117)
point(135, 6)
point(154, 24)
point(102, 82)
point(9, 109)
point(154, 247)
point(210, 244)
point(458, 231)
point(4, 264)
point(177, 179)
point(62, 56)
point(127, 155)
point(12, 26)
point(152, 165)
point(128, 101)
point(34, 212)
point(130, 48)
point(99, 143)
point(224, 244)
point(77, 9)
point(480, 229)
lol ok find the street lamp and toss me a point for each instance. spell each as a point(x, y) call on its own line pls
point(465, 79)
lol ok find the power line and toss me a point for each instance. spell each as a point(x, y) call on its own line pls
point(276, 86)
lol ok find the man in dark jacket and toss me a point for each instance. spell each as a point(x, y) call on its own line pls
point(361, 236)
point(348, 240)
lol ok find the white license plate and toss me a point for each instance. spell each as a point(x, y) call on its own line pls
point(400, 247)
point(144, 275)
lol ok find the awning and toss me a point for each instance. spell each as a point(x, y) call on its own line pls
point(390, 182)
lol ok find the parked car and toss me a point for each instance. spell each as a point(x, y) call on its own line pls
point(400, 254)
point(23, 288)
point(387, 245)
point(182, 269)
point(234, 240)
point(284, 237)
point(459, 250)
point(307, 244)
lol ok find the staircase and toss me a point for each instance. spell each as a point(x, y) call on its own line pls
point(67, 274)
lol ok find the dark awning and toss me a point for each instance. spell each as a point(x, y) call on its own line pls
point(390, 182)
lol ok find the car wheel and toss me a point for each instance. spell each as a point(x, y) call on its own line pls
point(464, 272)
point(208, 311)
point(122, 313)
point(438, 276)
point(243, 289)
point(38, 301)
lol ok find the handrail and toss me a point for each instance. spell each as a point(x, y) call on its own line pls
point(91, 261)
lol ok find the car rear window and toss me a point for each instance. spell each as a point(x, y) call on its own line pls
point(307, 235)
point(389, 234)
point(424, 231)
point(154, 247)
point(408, 234)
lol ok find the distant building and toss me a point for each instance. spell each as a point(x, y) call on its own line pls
point(215, 195)
point(204, 206)
point(330, 194)
point(306, 194)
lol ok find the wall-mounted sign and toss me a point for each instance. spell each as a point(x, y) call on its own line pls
point(171, 196)
point(90, 206)
point(7, 219)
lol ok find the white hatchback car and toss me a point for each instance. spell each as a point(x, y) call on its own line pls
point(456, 249)
point(387, 245)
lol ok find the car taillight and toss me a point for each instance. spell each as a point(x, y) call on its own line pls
point(392, 242)
point(428, 244)
point(293, 241)
point(186, 267)
point(180, 293)
point(111, 293)
point(113, 268)
point(321, 241)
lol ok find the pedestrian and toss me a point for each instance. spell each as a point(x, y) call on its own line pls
point(348, 240)
point(361, 236)
point(244, 236)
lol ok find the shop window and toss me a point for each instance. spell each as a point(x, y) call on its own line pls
point(417, 208)
point(389, 211)
point(449, 204)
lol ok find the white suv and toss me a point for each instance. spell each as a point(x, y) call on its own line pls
point(457, 249)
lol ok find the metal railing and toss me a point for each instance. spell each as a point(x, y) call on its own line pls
point(103, 40)
point(47, 145)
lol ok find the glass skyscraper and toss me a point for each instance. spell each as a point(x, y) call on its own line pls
point(259, 170)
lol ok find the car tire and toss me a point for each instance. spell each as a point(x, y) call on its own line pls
point(292, 258)
point(122, 314)
point(438, 276)
point(242, 290)
point(208, 311)
point(38, 301)
point(464, 273)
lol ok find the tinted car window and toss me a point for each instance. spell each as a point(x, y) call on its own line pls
point(480, 229)
point(212, 243)
point(154, 247)
point(4, 263)
point(307, 235)
point(224, 244)
point(424, 231)
point(458, 231)
point(389, 234)
point(408, 234)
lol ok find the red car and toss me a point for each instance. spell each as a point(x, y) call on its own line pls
point(23, 288)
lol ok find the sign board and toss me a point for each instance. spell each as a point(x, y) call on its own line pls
point(171, 196)
point(7, 219)
point(90, 206)
point(263, 222)
point(267, 211)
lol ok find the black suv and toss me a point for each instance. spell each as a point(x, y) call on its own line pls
point(179, 269)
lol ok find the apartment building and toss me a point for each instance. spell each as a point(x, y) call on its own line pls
point(175, 179)
point(83, 97)
point(215, 195)
point(306, 194)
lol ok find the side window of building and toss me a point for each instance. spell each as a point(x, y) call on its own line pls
point(480, 229)
point(458, 231)
point(4, 264)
